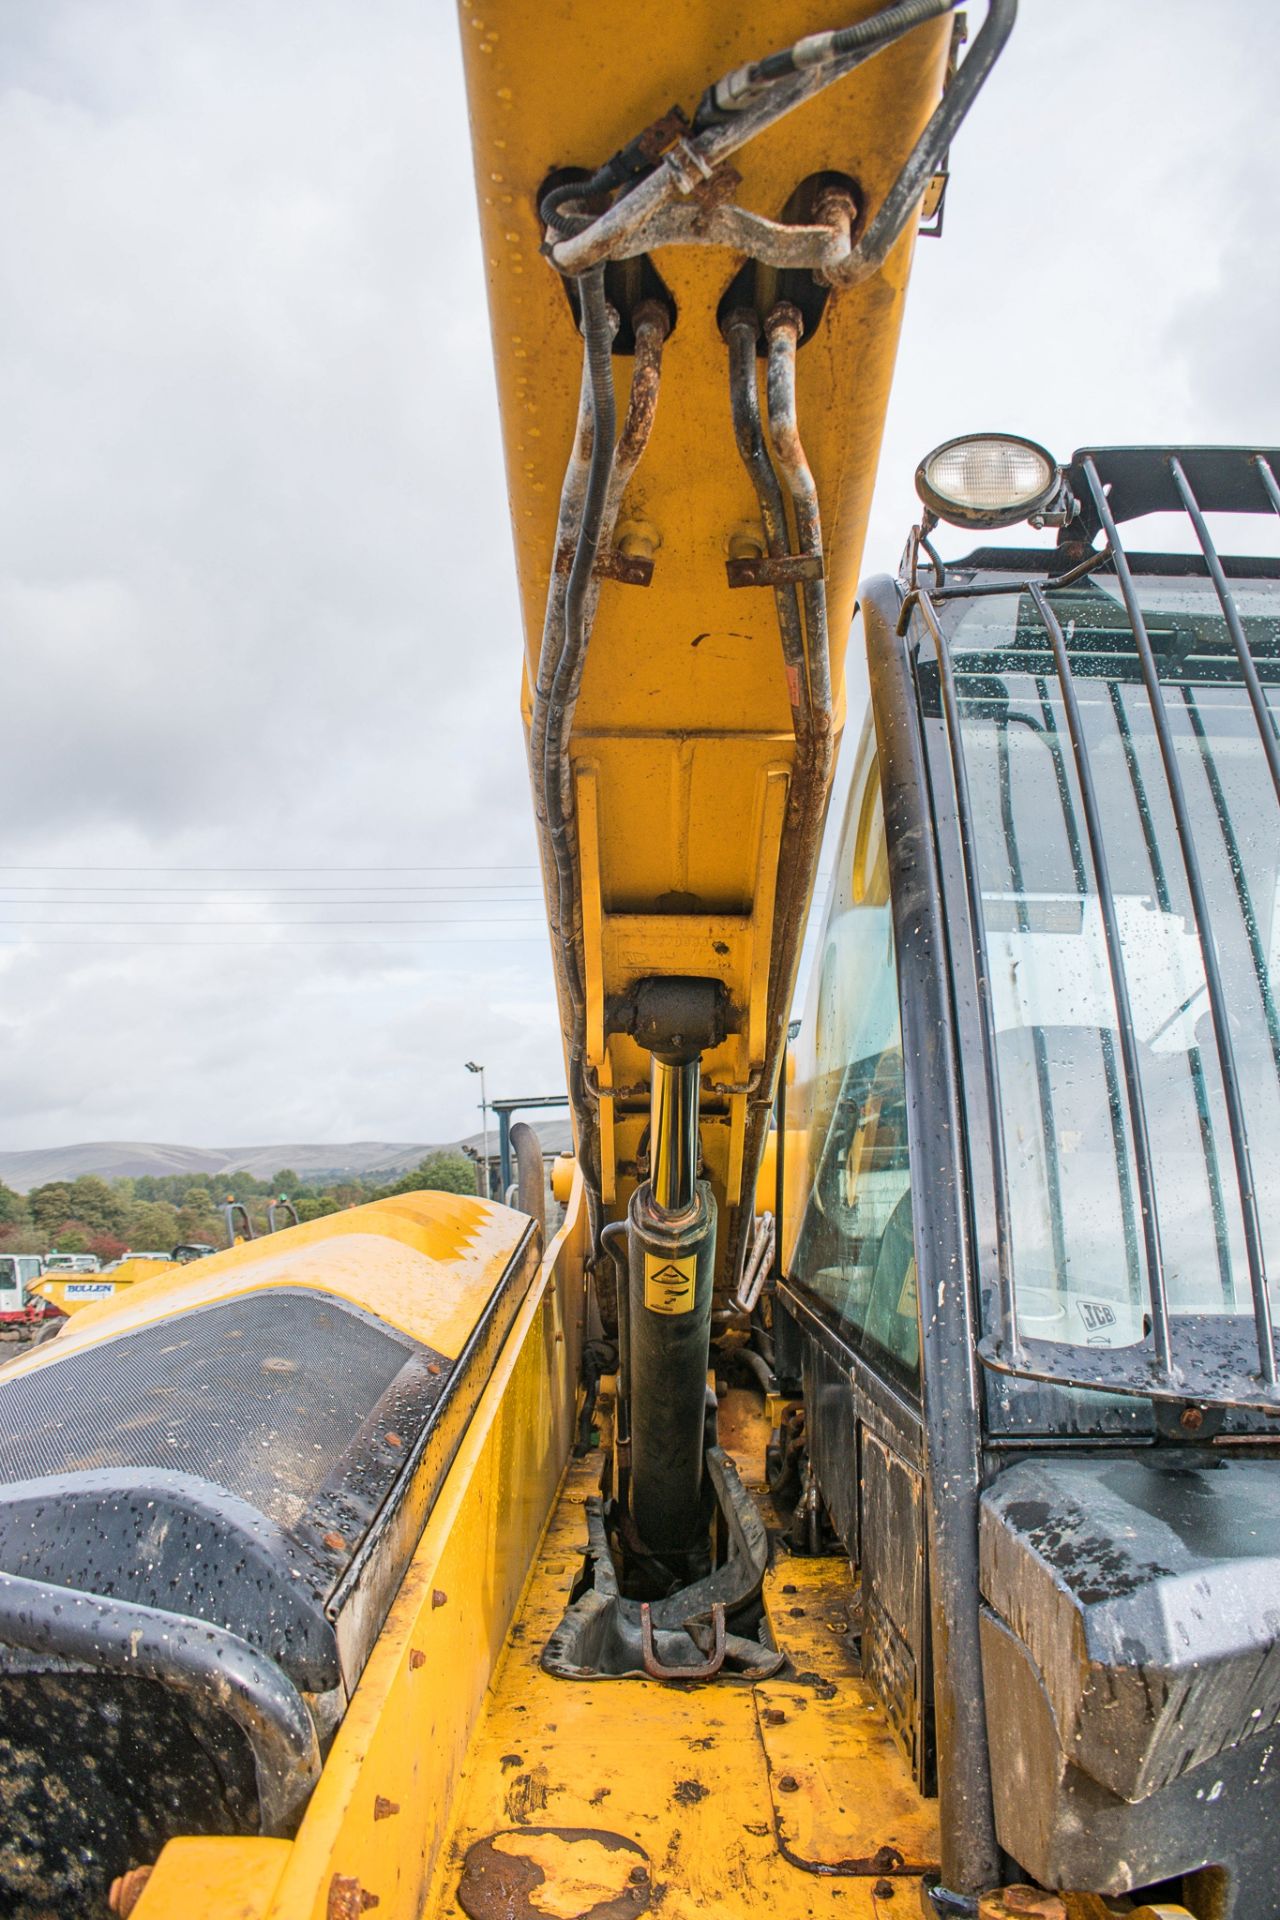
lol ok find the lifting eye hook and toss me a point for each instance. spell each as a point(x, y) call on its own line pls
point(709, 1668)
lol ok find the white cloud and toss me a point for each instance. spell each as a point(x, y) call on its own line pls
point(256, 599)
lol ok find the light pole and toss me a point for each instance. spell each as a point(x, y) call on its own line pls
point(473, 1067)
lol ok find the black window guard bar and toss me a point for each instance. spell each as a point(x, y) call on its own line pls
point(1212, 1359)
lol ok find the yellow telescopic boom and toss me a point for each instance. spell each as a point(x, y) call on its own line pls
point(698, 245)
point(688, 584)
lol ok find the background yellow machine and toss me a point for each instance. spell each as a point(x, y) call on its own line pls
point(870, 1512)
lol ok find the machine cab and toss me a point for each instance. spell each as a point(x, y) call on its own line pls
point(18, 1307)
point(1033, 1194)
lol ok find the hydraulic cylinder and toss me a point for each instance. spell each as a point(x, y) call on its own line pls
point(671, 1247)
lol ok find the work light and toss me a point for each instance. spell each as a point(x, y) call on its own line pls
point(987, 480)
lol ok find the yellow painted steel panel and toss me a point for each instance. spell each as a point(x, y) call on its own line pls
point(216, 1879)
point(424, 1262)
point(560, 1771)
point(376, 1823)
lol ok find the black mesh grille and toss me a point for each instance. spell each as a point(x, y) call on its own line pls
point(261, 1395)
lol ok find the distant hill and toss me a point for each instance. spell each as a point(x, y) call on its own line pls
point(131, 1159)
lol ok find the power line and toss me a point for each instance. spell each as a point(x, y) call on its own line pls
point(462, 940)
point(499, 920)
point(91, 866)
point(388, 886)
point(131, 900)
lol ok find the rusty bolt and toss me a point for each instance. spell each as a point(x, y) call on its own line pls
point(335, 1543)
point(126, 1891)
point(788, 1784)
point(416, 1659)
point(882, 1890)
point(438, 1597)
point(638, 1876)
point(348, 1899)
point(774, 1717)
point(1191, 1419)
point(383, 1809)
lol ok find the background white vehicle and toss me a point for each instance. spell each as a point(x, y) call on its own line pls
point(19, 1307)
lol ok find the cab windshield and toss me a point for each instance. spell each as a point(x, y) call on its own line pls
point(1075, 1226)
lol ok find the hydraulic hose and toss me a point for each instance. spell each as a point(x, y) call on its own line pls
point(741, 331)
point(595, 480)
point(752, 98)
point(597, 333)
point(652, 325)
point(865, 36)
point(798, 855)
point(783, 329)
point(808, 668)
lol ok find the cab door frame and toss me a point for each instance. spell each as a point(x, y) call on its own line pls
point(947, 1427)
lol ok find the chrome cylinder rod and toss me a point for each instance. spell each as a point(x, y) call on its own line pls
point(673, 1133)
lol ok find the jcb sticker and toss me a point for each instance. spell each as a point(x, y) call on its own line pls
point(670, 1285)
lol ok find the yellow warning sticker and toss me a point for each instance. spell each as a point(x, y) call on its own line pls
point(670, 1285)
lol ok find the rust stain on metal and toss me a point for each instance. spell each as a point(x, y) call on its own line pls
point(770, 570)
point(689, 1792)
point(573, 1873)
point(663, 133)
point(629, 569)
point(384, 1808)
point(335, 1543)
point(1021, 1903)
point(527, 1795)
point(416, 1659)
point(394, 1440)
point(348, 1899)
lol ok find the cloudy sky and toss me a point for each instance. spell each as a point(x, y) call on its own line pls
point(268, 864)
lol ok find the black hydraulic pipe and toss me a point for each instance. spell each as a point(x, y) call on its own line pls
point(531, 1176)
point(613, 1241)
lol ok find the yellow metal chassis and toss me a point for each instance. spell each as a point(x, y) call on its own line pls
point(789, 1794)
point(373, 1830)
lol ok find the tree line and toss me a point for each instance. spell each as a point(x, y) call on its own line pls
point(158, 1212)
